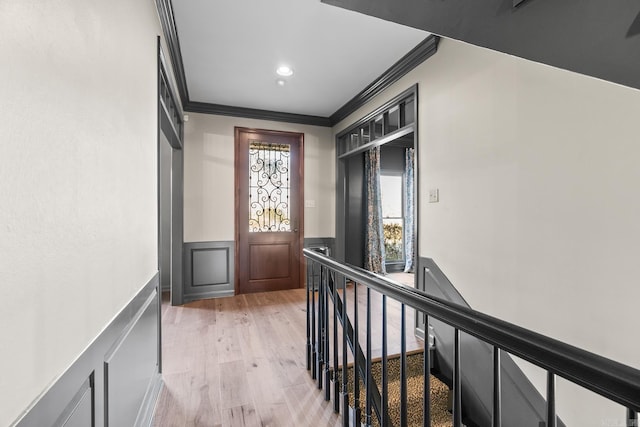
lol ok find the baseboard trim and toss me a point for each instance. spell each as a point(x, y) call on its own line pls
point(208, 295)
point(77, 397)
point(148, 407)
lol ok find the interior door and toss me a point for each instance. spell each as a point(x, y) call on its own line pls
point(269, 210)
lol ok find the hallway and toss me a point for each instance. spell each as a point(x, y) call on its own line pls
point(240, 361)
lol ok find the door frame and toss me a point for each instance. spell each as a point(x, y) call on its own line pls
point(238, 204)
point(171, 125)
point(341, 188)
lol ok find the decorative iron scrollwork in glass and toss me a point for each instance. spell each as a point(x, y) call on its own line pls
point(269, 187)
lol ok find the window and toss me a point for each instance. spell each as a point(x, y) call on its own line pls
point(391, 190)
point(391, 119)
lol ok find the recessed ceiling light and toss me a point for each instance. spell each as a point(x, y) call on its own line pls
point(280, 82)
point(284, 71)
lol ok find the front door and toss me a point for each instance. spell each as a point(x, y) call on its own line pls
point(269, 210)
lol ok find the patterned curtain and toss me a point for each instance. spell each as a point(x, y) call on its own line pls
point(409, 238)
point(374, 236)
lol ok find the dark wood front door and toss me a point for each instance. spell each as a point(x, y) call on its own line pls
point(269, 210)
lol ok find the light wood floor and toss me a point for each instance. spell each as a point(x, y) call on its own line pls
point(240, 361)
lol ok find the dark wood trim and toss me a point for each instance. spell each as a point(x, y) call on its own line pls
point(415, 57)
point(300, 207)
point(236, 207)
point(254, 113)
point(301, 261)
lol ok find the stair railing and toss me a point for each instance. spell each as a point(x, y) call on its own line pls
point(614, 381)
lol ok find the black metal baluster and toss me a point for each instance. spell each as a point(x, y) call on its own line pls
point(320, 326)
point(551, 399)
point(309, 289)
point(632, 418)
point(336, 380)
point(497, 389)
point(385, 380)
point(403, 367)
point(426, 391)
point(314, 353)
point(345, 391)
point(457, 382)
point(367, 377)
point(327, 367)
point(356, 367)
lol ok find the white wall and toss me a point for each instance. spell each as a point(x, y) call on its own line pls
point(538, 220)
point(209, 192)
point(77, 180)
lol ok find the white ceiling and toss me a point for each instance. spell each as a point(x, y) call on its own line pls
point(231, 48)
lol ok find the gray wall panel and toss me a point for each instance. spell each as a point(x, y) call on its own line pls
point(210, 266)
point(208, 269)
point(521, 404)
point(130, 367)
point(164, 182)
point(355, 211)
point(321, 242)
point(177, 225)
point(79, 412)
point(67, 401)
point(392, 159)
point(82, 415)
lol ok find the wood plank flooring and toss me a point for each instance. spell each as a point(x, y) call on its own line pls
point(240, 361)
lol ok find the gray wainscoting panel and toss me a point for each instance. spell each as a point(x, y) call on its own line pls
point(209, 269)
point(210, 266)
point(81, 396)
point(321, 242)
point(79, 413)
point(130, 366)
point(83, 412)
point(522, 404)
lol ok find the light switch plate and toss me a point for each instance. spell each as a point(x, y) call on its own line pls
point(434, 195)
point(309, 203)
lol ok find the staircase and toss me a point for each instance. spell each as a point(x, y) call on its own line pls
point(439, 392)
point(384, 392)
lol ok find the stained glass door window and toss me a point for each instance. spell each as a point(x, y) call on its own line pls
point(269, 187)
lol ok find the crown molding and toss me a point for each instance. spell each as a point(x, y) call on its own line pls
point(168, 24)
point(254, 113)
point(407, 63)
point(415, 57)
